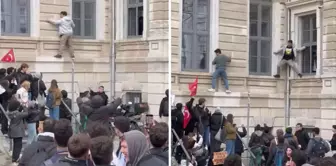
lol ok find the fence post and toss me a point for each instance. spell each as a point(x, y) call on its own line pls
point(287, 118)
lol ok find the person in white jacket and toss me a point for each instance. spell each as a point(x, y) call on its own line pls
point(22, 93)
point(65, 30)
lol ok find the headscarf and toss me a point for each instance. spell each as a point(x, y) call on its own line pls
point(137, 146)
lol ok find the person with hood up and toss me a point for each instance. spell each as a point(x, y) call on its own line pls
point(291, 139)
point(95, 110)
point(100, 92)
point(230, 135)
point(217, 121)
point(164, 107)
point(65, 31)
point(37, 86)
point(134, 146)
point(16, 131)
point(54, 100)
point(44, 144)
point(158, 136)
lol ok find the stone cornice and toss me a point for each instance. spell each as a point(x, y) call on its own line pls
point(299, 3)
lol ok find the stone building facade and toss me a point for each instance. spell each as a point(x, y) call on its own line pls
point(141, 57)
point(250, 31)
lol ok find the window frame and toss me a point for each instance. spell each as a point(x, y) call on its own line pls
point(195, 33)
point(137, 5)
point(309, 44)
point(13, 17)
point(82, 19)
point(259, 38)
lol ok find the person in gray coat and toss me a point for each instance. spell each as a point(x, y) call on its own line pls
point(16, 126)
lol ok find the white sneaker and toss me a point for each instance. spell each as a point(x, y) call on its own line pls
point(227, 91)
point(211, 90)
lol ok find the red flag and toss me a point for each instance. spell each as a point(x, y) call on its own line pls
point(186, 117)
point(9, 57)
point(193, 87)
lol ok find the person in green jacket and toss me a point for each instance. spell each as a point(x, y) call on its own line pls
point(230, 135)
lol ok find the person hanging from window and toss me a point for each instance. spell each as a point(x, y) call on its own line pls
point(289, 55)
point(221, 62)
point(65, 30)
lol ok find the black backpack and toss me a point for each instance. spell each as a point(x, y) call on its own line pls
point(319, 148)
point(42, 154)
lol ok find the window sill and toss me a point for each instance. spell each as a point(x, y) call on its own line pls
point(305, 77)
point(51, 39)
point(131, 40)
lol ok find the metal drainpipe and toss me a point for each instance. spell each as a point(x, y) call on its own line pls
point(321, 36)
point(112, 51)
point(287, 84)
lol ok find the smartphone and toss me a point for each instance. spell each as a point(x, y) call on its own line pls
point(149, 120)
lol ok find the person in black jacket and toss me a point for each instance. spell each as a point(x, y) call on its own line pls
point(101, 93)
point(64, 112)
point(16, 127)
point(302, 136)
point(177, 121)
point(158, 136)
point(23, 74)
point(101, 150)
point(203, 115)
point(3, 72)
point(164, 107)
point(79, 148)
point(217, 121)
point(45, 144)
point(95, 110)
point(333, 139)
point(32, 119)
point(239, 147)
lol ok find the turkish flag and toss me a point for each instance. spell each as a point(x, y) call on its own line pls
point(193, 87)
point(9, 57)
point(186, 117)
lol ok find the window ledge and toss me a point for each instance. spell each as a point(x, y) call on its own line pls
point(301, 3)
point(306, 77)
point(131, 40)
point(52, 39)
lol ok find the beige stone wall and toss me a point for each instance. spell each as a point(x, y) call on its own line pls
point(311, 101)
point(142, 64)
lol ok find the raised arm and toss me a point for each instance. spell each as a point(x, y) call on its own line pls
point(300, 49)
point(55, 22)
point(278, 51)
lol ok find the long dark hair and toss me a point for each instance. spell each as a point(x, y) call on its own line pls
point(53, 85)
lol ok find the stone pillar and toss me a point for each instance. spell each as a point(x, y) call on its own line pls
point(328, 93)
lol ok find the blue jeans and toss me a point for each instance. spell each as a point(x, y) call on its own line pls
point(31, 132)
point(29, 95)
point(54, 113)
point(230, 146)
point(206, 136)
point(220, 72)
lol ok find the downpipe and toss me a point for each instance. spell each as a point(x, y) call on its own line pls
point(112, 52)
point(287, 80)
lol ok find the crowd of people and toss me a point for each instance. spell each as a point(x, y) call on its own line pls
point(205, 132)
point(51, 139)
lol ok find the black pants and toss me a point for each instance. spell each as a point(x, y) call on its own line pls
point(17, 147)
point(4, 124)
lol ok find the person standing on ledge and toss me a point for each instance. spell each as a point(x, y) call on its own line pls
point(65, 27)
point(288, 53)
point(221, 62)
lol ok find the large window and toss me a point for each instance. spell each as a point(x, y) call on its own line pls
point(135, 18)
point(308, 39)
point(260, 54)
point(15, 17)
point(195, 35)
point(84, 17)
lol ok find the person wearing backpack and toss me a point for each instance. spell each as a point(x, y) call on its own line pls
point(54, 100)
point(277, 154)
point(42, 149)
point(317, 146)
point(62, 133)
point(164, 107)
